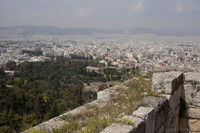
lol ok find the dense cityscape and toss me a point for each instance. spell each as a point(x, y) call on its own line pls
point(148, 54)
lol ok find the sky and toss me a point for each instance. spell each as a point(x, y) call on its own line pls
point(180, 15)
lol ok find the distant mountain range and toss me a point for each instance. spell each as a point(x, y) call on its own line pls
point(51, 30)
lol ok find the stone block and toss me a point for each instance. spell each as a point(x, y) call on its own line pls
point(147, 114)
point(192, 77)
point(186, 93)
point(118, 128)
point(138, 124)
point(161, 108)
point(184, 125)
point(137, 127)
point(151, 101)
point(103, 95)
point(174, 99)
point(172, 123)
point(166, 83)
point(161, 130)
point(189, 125)
point(97, 103)
point(76, 111)
point(194, 125)
point(191, 94)
point(54, 123)
point(193, 113)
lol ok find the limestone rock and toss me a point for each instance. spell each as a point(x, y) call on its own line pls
point(172, 122)
point(189, 125)
point(54, 123)
point(138, 124)
point(194, 125)
point(167, 83)
point(137, 127)
point(148, 115)
point(192, 77)
point(161, 108)
point(118, 128)
point(161, 130)
point(174, 100)
point(191, 94)
point(193, 113)
point(104, 95)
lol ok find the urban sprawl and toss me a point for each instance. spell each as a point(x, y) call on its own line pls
point(148, 54)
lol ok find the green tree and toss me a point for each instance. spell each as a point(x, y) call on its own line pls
point(11, 65)
point(40, 107)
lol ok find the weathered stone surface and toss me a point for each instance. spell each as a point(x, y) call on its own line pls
point(76, 110)
point(189, 125)
point(193, 113)
point(161, 108)
point(161, 130)
point(151, 101)
point(190, 120)
point(56, 123)
point(191, 94)
point(108, 94)
point(104, 95)
point(186, 92)
point(176, 119)
point(172, 122)
point(167, 83)
point(192, 77)
point(49, 125)
point(184, 125)
point(194, 125)
point(148, 115)
point(118, 128)
point(138, 126)
point(174, 100)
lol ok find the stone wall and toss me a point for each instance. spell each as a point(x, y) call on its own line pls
point(56, 123)
point(191, 92)
point(155, 114)
point(178, 92)
point(190, 120)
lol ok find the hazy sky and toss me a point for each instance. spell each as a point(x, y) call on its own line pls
point(155, 14)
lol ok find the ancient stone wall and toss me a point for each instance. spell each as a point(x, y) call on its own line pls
point(191, 96)
point(177, 110)
point(155, 114)
point(56, 123)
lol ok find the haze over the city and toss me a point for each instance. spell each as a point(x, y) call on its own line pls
point(179, 15)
